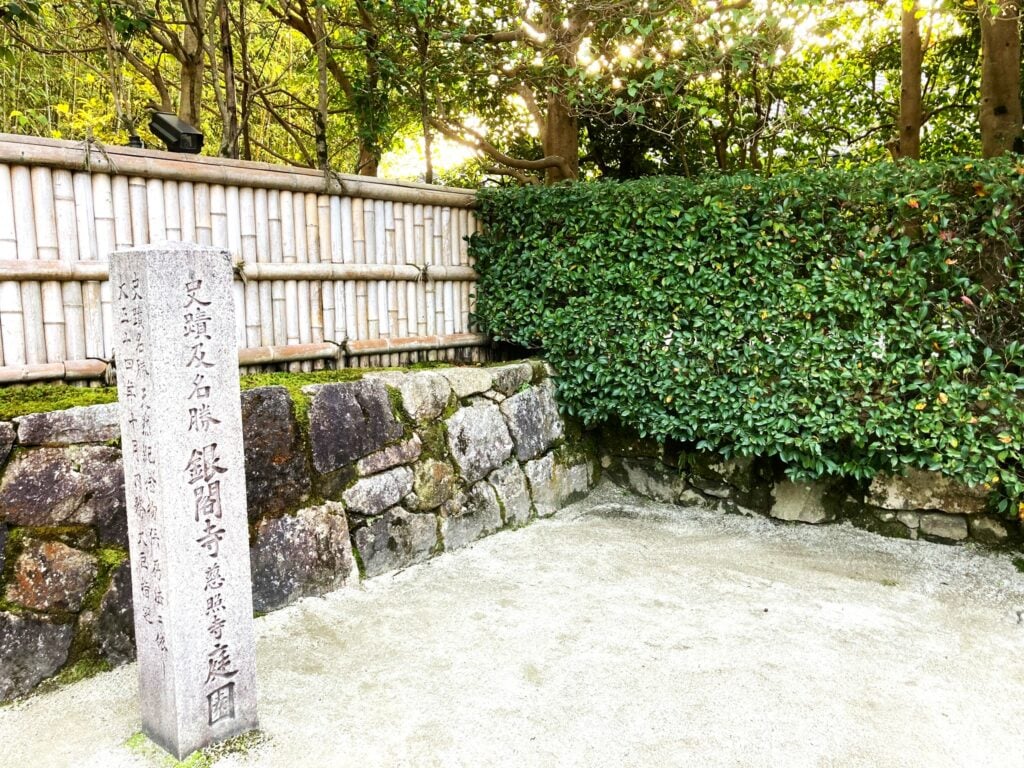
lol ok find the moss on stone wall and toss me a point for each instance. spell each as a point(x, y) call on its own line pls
point(43, 398)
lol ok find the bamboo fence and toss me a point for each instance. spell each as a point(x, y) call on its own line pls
point(332, 270)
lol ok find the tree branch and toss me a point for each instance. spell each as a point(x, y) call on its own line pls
point(526, 179)
point(471, 138)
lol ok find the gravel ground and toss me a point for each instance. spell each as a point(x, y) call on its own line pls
point(619, 633)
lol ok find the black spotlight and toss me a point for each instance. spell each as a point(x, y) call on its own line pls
point(179, 136)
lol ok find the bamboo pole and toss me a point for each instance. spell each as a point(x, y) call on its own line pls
point(251, 298)
point(349, 257)
point(72, 306)
point(265, 289)
point(430, 301)
point(92, 295)
point(106, 243)
point(448, 223)
point(66, 370)
point(458, 311)
point(409, 258)
point(402, 298)
point(277, 287)
point(291, 286)
point(172, 209)
point(204, 214)
point(137, 208)
point(12, 321)
point(156, 214)
point(370, 250)
point(123, 220)
point(337, 257)
point(380, 248)
point(233, 244)
point(392, 259)
point(316, 305)
point(25, 150)
point(302, 257)
point(468, 291)
point(187, 211)
point(43, 205)
point(419, 259)
point(362, 327)
point(325, 249)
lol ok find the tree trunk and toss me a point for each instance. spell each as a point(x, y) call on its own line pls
point(561, 138)
point(192, 73)
point(1000, 113)
point(246, 122)
point(320, 117)
point(229, 138)
point(368, 161)
point(911, 58)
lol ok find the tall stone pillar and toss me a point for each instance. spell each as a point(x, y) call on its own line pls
point(181, 436)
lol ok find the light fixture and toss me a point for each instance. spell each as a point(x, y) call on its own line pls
point(178, 135)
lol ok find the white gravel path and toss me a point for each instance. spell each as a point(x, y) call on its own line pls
point(619, 633)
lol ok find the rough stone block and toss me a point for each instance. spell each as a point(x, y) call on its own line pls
point(372, 495)
point(277, 475)
point(869, 519)
point(510, 486)
point(467, 381)
point(988, 530)
point(910, 519)
point(391, 456)
point(509, 379)
point(51, 576)
point(111, 628)
point(553, 484)
point(7, 437)
point(308, 553)
point(396, 539)
point(743, 479)
point(541, 475)
point(653, 480)
point(802, 502)
point(424, 395)
point(30, 651)
point(533, 420)
point(479, 440)
point(945, 527)
point(84, 424)
point(574, 481)
point(348, 421)
point(920, 489)
point(470, 516)
point(433, 483)
point(66, 486)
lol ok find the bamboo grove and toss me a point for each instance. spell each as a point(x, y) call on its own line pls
point(541, 90)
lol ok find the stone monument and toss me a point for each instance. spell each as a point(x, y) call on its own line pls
point(181, 437)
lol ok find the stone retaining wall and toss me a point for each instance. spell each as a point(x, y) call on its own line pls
point(375, 475)
point(916, 505)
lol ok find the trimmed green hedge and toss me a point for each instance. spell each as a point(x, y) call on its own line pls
point(845, 322)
